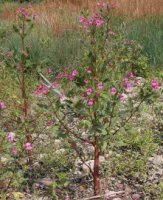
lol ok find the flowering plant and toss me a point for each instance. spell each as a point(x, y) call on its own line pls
point(103, 93)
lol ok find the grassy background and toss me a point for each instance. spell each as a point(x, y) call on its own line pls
point(55, 39)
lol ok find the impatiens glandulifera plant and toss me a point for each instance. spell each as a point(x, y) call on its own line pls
point(17, 122)
point(22, 27)
point(103, 93)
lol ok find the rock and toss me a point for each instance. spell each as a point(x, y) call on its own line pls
point(136, 196)
point(36, 165)
point(60, 151)
point(85, 167)
point(41, 156)
point(4, 160)
point(102, 159)
point(120, 186)
point(46, 181)
point(158, 160)
point(128, 190)
point(57, 142)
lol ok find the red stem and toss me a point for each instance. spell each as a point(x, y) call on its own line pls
point(96, 174)
point(23, 88)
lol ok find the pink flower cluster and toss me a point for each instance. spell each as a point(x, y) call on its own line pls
point(67, 197)
point(129, 82)
point(28, 146)
point(2, 105)
point(21, 11)
point(61, 76)
point(155, 85)
point(91, 102)
point(94, 93)
point(73, 74)
point(100, 86)
point(41, 90)
point(102, 5)
point(11, 137)
point(123, 97)
point(89, 91)
point(26, 12)
point(54, 85)
point(95, 20)
point(113, 91)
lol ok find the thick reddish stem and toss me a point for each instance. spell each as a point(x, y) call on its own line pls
point(96, 169)
point(23, 87)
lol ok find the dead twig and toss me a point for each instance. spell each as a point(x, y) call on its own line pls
point(110, 194)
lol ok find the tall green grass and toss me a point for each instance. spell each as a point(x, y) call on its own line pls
point(147, 31)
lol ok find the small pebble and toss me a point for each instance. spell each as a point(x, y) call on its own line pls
point(136, 196)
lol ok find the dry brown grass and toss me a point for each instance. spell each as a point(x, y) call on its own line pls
point(60, 15)
point(138, 8)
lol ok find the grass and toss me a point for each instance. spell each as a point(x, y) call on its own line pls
point(58, 20)
point(47, 50)
point(147, 31)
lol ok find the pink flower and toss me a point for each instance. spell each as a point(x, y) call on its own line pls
point(113, 91)
point(123, 97)
point(14, 150)
point(84, 96)
point(49, 71)
point(107, 194)
point(28, 146)
point(86, 25)
point(62, 98)
point(136, 82)
point(91, 20)
point(89, 91)
point(99, 22)
point(154, 82)
point(71, 77)
point(11, 137)
point(2, 105)
point(100, 86)
point(54, 85)
point(155, 85)
point(126, 80)
point(91, 102)
point(86, 81)
point(21, 11)
point(89, 70)
point(73, 74)
point(129, 88)
point(82, 19)
point(156, 88)
point(41, 90)
point(67, 197)
point(131, 75)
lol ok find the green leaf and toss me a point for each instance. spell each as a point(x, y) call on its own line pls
point(15, 29)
